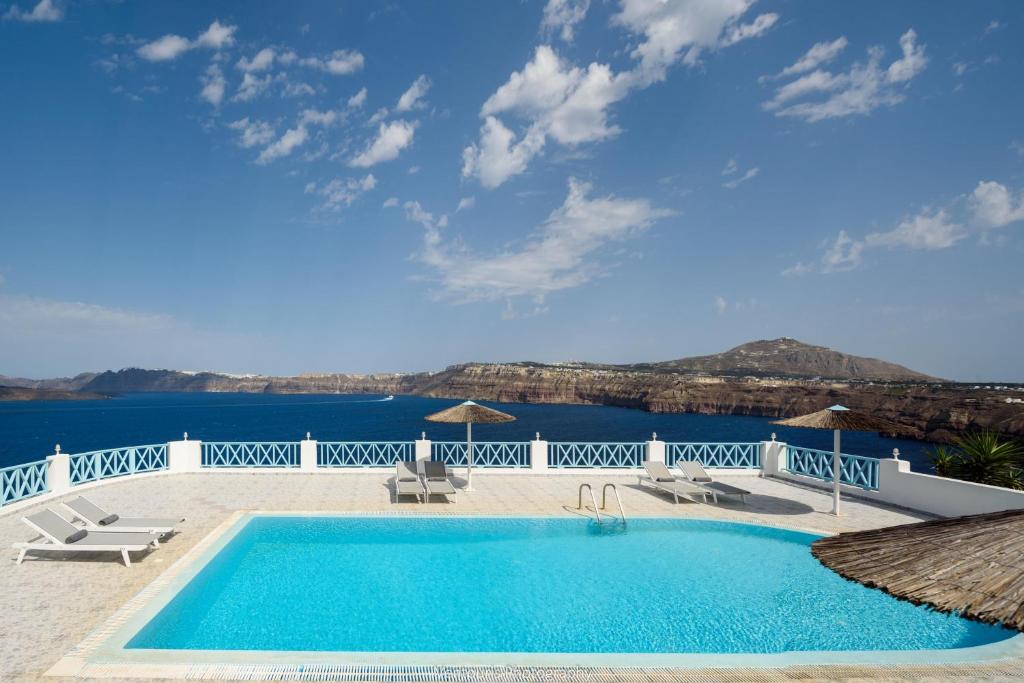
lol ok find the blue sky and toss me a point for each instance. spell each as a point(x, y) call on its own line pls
point(357, 186)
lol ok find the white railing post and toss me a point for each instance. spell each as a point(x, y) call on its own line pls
point(539, 454)
point(889, 471)
point(58, 471)
point(655, 449)
point(184, 455)
point(423, 447)
point(307, 454)
point(773, 457)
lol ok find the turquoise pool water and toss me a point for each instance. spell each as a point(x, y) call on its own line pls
point(446, 584)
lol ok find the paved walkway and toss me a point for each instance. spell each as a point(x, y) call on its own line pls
point(50, 604)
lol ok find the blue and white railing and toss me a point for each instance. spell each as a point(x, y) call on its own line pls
point(514, 454)
point(117, 462)
point(363, 454)
point(855, 470)
point(250, 454)
point(23, 481)
point(596, 455)
point(731, 455)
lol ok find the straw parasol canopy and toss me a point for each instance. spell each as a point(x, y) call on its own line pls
point(971, 565)
point(838, 418)
point(468, 413)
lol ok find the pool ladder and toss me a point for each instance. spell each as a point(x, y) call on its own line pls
point(604, 501)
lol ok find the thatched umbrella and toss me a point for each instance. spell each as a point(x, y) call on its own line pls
point(469, 413)
point(970, 565)
point(838, 418)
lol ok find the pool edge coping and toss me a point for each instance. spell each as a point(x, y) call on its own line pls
point(102, 652)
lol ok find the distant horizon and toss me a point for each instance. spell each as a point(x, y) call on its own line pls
point(228, 373)
point(278, 187)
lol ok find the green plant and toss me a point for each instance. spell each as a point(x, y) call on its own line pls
point(983, 457)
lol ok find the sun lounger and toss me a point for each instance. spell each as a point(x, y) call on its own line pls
point(62, 536)
point(435, 479)
point(696, 473)
point(407, 479)
point(98, 519)
point(661, 478)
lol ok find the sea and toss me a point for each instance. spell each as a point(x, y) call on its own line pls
point(30, 430)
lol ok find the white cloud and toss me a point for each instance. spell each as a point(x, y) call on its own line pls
point(217, 36)
point(926, 230)
point(820, 53)
point(498, 156)
point(990, 206)
point(564, 252)
point(413, 97)
point(357, 100)
point(165, 48)
point(261, 61)
point(390, 202)
point(465, 203)
point(413, 170)
point(377, 116)
point(294, 138)
point(561, 16)
point(730, 167)
point(253, 133)
point(340, 193)
point(736, 182)
point(171, 46)
point(861, 90)
point(1017, 147)
point(44, 11)
point(338, 63)
point(213, 85)
point(994, 207)
point(570, 104)
point(721, 305)
point(251, 87)
point(391, 139)
point(298, 89)
point(844, 254)
point(739, 32)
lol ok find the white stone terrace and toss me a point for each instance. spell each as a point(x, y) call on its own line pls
point(51, 603)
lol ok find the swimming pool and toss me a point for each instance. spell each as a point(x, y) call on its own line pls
point(531, 585)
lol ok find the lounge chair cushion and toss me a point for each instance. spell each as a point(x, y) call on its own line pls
point(435, 470)
point(77, 536)
point(694, 470)
point(109, 519)
point(658, 471)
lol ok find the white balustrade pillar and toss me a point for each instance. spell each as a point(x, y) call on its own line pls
point(773, 457)
point(423, 447)
point(307, 454)
point(539, 454)
point(184, 455)
point(655, 449)
point(58, 471)
point(889, 471)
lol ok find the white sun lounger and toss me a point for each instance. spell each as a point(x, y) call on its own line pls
point(435, 480)
point(696, 473)
point(407, 480)
point(662, 479)
point(98, 519)
point(63, 536)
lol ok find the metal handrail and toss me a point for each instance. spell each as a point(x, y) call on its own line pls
point(579, 505)
point(604, 500)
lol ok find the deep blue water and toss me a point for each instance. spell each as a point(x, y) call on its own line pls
point(535, 585)
point(29, 430)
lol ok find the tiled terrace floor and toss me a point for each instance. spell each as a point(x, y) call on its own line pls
point(50, 604)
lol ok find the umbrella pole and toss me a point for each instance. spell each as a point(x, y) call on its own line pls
point(837, 472)
point(469, 456)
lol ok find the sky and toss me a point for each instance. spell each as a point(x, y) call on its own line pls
point(282, 188)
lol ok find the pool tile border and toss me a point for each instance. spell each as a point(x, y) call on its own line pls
point(102, 655)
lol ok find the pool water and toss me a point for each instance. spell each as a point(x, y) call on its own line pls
point(444, 584)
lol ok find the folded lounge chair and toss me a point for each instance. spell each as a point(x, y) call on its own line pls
point(661, 478)
point(407, 479)
point(435, 479)
point(696, 473)
point(98, 519)
point(63, 536)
